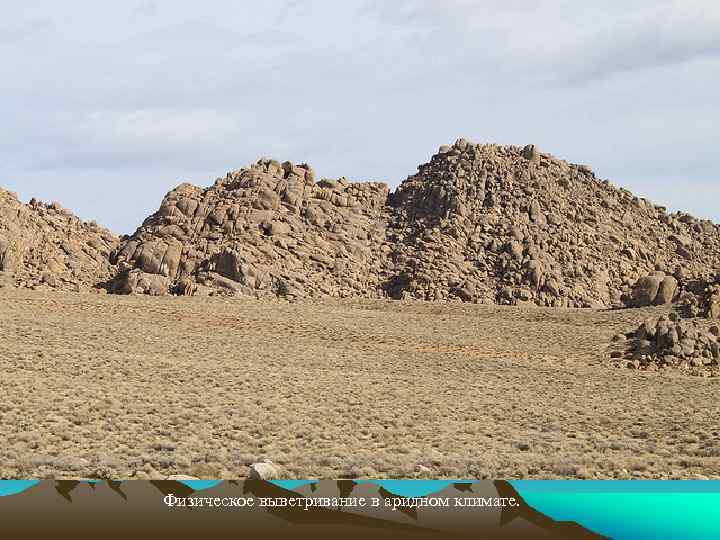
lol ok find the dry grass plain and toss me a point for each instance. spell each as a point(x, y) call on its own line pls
point(134, 387)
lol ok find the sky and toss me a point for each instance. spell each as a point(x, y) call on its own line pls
point(106, 106)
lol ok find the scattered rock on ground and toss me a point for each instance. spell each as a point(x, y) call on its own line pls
point(670, 342)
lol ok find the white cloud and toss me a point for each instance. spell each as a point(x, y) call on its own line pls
point(137, 95)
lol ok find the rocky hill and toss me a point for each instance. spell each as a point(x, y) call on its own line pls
point(507, 224)
point(265, 229)
point(45, 244)
point(477, 223)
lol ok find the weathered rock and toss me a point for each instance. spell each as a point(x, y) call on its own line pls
point(531, 153)
point(477, 223)
point(263, 471)
point(646, 290)
point(550, 233)
point(139, 282)
point(714, 308)
point(186, 287)
point(700, 297)
point(666, 291)
point(669, 344)
point(44, 244)
point(265, 230)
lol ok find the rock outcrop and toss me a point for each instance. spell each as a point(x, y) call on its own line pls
point(670, 342)
point(478, 223)
point(45, 244)
point(512, 225)
point(265, 229)
point(701, 298)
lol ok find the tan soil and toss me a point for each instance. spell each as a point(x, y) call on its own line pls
point(108, 386)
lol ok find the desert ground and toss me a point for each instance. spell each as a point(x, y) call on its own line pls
point(97, 386)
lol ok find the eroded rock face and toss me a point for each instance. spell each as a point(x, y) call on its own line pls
point(45, 244)
point(268, 229)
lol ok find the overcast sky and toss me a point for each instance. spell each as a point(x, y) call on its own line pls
point(106, 106)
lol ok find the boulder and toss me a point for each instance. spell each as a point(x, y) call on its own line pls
point(530, 152)
point(646, 290)
point(139, 282)
point(666, 291)
point(263, 471)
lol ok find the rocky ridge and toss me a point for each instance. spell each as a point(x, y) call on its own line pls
point(477, 223)
point(267, 229)
point(46, 245)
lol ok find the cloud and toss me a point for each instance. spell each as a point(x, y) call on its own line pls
point(561, 41)
point(108, 103)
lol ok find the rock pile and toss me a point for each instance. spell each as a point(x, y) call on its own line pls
point(264, 229)
point(478, 223)
point(45, 244)
point(512, 225)
point(701, 298)
point(670, 342)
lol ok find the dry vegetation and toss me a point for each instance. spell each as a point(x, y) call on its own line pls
point(138, 387)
